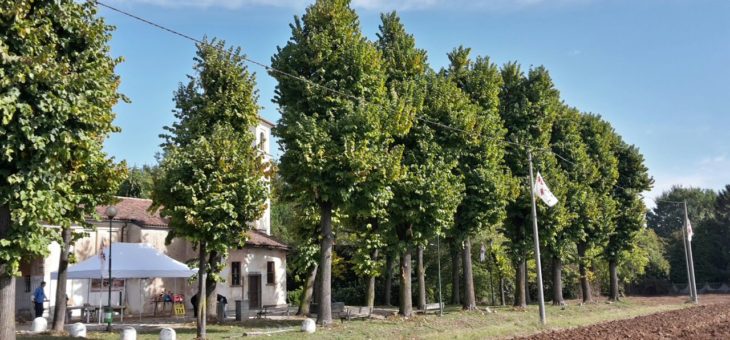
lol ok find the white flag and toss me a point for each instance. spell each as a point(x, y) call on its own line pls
point(689, 231)
point(542, 191)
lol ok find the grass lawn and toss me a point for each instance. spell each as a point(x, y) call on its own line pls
point(505, 322)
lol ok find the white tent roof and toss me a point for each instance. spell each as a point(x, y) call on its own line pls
point(129, 260)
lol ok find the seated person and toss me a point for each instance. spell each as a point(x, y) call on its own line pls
point(194, 300)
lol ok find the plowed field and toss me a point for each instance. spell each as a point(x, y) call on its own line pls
point(711, 321)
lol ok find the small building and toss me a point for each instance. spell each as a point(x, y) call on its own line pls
point(254, 274)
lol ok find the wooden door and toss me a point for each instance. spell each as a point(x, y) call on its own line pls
point(254, 291)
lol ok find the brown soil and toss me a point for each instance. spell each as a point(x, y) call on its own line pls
point(707, 321)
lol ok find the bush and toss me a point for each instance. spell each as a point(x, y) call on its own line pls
point(293, 297)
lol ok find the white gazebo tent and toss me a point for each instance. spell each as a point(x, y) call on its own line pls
point(130, 261)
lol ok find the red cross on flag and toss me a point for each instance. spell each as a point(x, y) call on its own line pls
point(689, 231)
point(542, 191)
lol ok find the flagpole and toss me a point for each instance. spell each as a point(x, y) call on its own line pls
point(689, 251)
point(537, 243)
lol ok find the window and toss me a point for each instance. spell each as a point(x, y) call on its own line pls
point(235, 273)
point(262, 142)
point(27, 283)
point(270, 273)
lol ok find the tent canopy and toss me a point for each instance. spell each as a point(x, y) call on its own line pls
point(129, 260)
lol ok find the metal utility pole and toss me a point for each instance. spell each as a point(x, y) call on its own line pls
point(540, 296)
point(691, 278)
point(690, 286)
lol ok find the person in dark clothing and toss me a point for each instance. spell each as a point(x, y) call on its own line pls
point(39, 296)
point(194, 300)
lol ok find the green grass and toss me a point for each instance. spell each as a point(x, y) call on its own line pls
point(505, 322)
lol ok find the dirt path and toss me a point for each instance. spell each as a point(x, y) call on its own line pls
point(710, 321)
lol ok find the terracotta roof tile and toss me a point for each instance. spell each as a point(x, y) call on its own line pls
point(135, 211)
point(259, 239)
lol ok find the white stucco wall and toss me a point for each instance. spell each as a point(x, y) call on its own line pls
point(253, 261)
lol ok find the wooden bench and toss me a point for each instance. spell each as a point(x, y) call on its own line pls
point(272, 309)
point(431, 307)
point(354, 313)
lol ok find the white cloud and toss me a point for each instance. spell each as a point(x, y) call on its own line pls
point(377, 5)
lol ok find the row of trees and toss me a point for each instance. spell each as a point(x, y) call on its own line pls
point(709, 213)
point(379, 146)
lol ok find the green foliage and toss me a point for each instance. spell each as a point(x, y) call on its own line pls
point(667, 220)
point(668, 216)
point(138, 182)
point(330, 142)
point(487, 181)
point(711, 243)
point(598, 212)
point(211, 188)
point(631, 213)
point(211, 180)
point(57, 90)
point(528, 106)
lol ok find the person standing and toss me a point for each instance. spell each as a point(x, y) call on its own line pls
point(39, 297)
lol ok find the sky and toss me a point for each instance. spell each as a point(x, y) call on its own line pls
point(656, 69)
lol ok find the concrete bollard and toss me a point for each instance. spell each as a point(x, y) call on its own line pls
point(129, 333)
point(77, 330)
point(309, 326)
point(167, 334)
point(39, 325)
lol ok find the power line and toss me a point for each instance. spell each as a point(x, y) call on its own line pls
point(287, 74)
point(326, 88)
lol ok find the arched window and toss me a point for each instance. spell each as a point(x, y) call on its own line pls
point(262, 142)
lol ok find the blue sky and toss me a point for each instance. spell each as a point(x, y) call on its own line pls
point(656, 69)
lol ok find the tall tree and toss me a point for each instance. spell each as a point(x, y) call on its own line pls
point(666, 218)
point(211, 181)
point(596, 218)
point(576, 169)
point(633, 179)
point(405, 67)
point(528, 106)
point(488, 184)
point(88, 185)
point(711, 243)
point(57, 91)
point(331, 142)
point(428, 193)
point(138, 182)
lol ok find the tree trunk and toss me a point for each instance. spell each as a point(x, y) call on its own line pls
point(324, 315)
point(210, 286)
point(59, 311)
point(528, 298)
point(503, 301)
point(202, 298)
point(306, 299)
point(421, 272)
point(520, 283)
point(455, 277)
point(585, 286)
point(470, 302)
point(7, 284)
point(406, 303)
point(388, 290)
point(558, 282)
point(371, 284)
point(613, 293)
